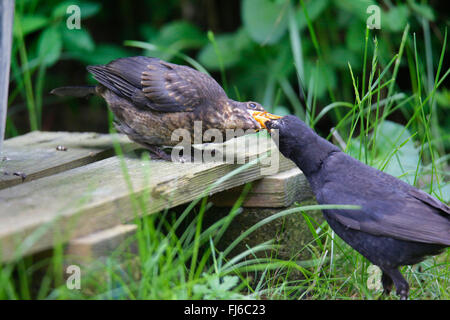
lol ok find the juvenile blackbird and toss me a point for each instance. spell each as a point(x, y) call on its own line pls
point(397, 223)
point(150, 98)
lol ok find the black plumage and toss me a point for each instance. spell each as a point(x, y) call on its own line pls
point(150, 98)
point(397, 224)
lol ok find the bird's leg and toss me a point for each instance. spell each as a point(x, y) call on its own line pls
point(400, 283)
point(183, 154)
point(387, 283)
point(157, 153)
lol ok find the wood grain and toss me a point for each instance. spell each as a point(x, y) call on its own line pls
point(35, 155)
point(6, 28)
point(99, 244)
point(103, 194)
point(274, 191)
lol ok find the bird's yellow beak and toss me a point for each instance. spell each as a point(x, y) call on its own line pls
point(262, 117)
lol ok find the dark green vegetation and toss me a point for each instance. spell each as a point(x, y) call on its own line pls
point(383, 90)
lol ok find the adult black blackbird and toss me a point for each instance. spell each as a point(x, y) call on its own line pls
point(150, 98)
point(397, 223)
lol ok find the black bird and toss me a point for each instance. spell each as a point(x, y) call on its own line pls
point(150, 98)
point(397, 224)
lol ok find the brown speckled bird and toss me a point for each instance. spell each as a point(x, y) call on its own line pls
point(150, 98)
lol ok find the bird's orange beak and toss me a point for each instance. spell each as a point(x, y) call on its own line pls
point(262, 117)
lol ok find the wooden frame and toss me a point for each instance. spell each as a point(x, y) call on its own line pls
point(6, 26)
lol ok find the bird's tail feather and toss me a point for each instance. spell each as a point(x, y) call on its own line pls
point(74, 91)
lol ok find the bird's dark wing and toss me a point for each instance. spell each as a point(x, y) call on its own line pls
point(389, 207)
point(158, 85)
point(429, 200)
point(122, 76)
point(168, 85)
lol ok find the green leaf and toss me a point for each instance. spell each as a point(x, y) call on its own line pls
point(218, 288)
point(402, 162)
point(396, 18)
point(102, 54)
point(180, 34)
point(29, 23)
point(355, 150)
point(148, 32)
point(341, 56)
point(355, 36)
point(443, 98)
point(321, 77)
point(314, 8)
point(87, 9)
point(230, 47)
point(357, 7)
point(396, 153)
point(60, 10)
point(77, 40)
point(225, 45)
point(281, 111)
point(424, 10)
point(49, 46)
point(265, 21)
point(445, 189)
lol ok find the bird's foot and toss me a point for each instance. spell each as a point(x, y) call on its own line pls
point(403, 294)
point(184, 154)
point(394, 276)
point(158, 153)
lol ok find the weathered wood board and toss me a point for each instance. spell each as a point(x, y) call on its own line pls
point(99, 244)
point(35, 155)
point(274, 191)
point(6, 31)
point(100, 195)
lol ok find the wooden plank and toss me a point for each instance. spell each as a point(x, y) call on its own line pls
point(35, 155)
point(99, 244)
point(73, 203)
point(274, 191)
point(6, 27)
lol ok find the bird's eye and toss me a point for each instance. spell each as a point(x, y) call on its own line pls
point(252, 105)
